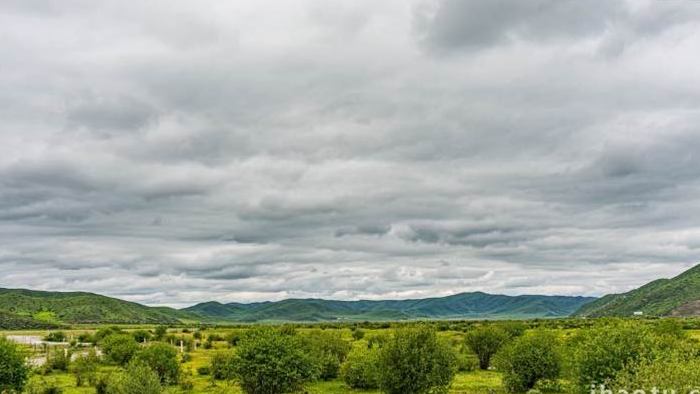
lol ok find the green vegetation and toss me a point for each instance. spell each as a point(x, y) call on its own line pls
point(465, 305)
point(50, 308)
point(679, 296)
point(361, 368)
point(269, 361)
point(535, 356)
point(528, 360)
point(485, 342)
point(119, 348)
point(415, 361)
point(162, 359)
point(13, 370)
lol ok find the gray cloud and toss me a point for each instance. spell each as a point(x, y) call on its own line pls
point(169, 153)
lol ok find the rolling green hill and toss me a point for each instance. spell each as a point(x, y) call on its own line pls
point(78, 307)
point(679, 296)
point(460, 306)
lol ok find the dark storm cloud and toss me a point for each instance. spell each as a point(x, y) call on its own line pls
point(172, 153)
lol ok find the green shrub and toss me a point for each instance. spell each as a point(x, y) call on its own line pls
point(414, 361)
point(185, 380)
point(678, 374)
point(119, 348)
point(13, 370)
point(160, 333)
point(361, 368)
point(233, 338)
point(55, 336)
point(162, 359)
point(141, 336)
point(358, 334)
point(600, 353)
point(466, 362)
point(42, 386)
point(138, 378)
point(204, 370)
point(58, 359)
point(529, 359)
point(269, 361)
point(328, 349)
point(85, 368)
point(222, 365)
point(102, 333)
point(485, 342)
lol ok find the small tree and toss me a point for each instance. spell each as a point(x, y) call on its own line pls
point(485, 342)
point(358, 334)
point(141, 336)
point(85, 368)
point(55, 336)
point(361, 368)
point(161, 331)
point(529, 359)
point(139, 378)
point(162, 359)
point(329, 350)
point(58, 359)
point(414, 361)
point(270, 362)
point(13, 369)
point(222, 365)
point(119, 348)
point(677, 374)
point(600, 353)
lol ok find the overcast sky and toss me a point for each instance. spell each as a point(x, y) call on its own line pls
point(172, 152)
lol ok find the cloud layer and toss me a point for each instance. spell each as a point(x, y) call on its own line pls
point(173, 152)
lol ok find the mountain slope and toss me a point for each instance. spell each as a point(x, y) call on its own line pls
point(459, 306)
point(679, 296)
point(79, 307)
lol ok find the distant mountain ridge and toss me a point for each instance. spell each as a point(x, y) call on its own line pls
point(679, 296)
point(20, 308)
point(475, 305)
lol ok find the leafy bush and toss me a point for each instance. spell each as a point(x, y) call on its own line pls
point(204, 370)
point(141, 336)
point(162, 359)
point(233, 338)
point(268, 361)
point(42, 386)
point(600, 353)
point(676, 374)
point(529, 359)
point(160, 333)
point(139, 378)
point(361, 368)
point(102, 333)
point(222, 365)
point(414, 361)
point(13, 370)
point(55, 336)
point(86, 337)
point(119, 348)
point(485, 342)
point(328, 349)
point(358, 334)
point(58, 359)
point(85, 368)
point(466, 362)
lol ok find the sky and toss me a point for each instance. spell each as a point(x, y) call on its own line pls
point(171, 152)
